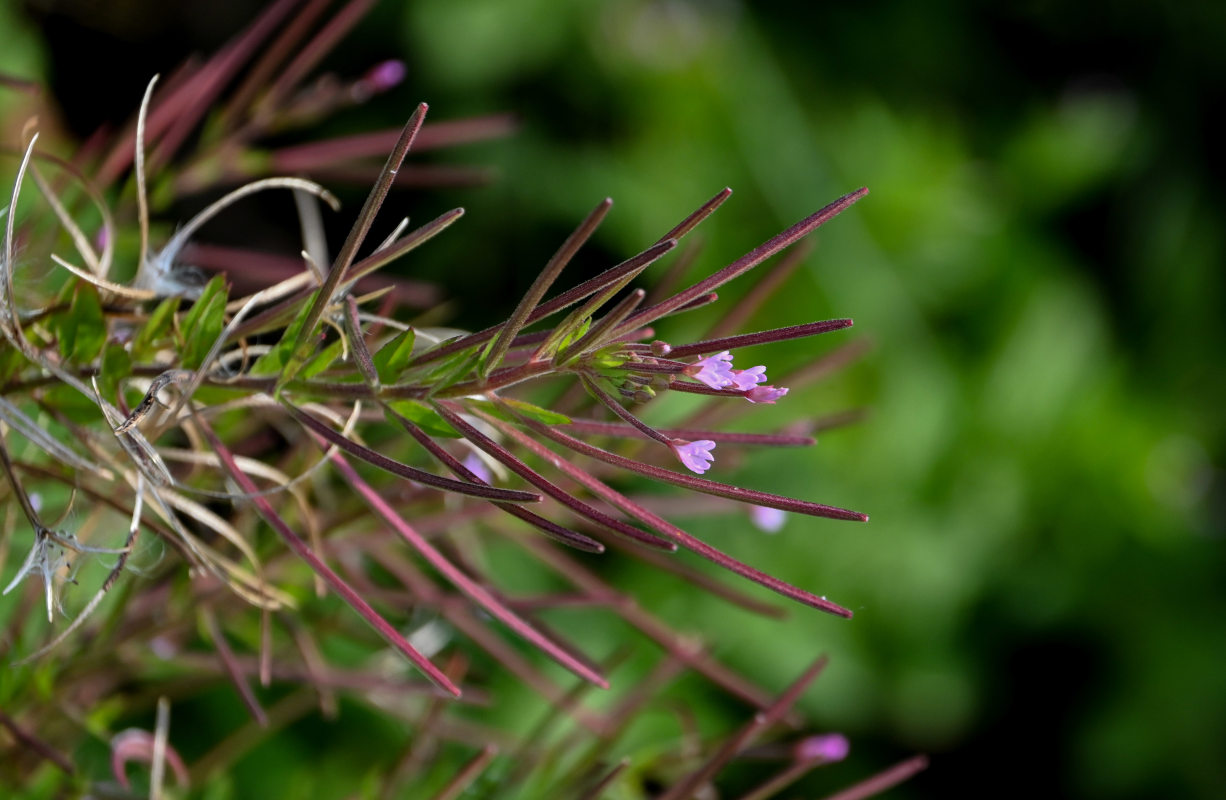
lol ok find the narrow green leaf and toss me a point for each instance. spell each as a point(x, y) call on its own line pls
point(82, 330)
point(11, 361)
point(322, 360)
point(424, 417)
point(203, 323)
point(155, 327)
point(393, 357)
point(275, 359)
point(536, 412)
point(75, 406)
point(608, 360)
point(486, 353)
point(460, 367)
point(116, 366)
point(571, 330)
point(211, 290)
point(439, 376)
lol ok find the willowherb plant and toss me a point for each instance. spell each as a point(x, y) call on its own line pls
point(205, 416)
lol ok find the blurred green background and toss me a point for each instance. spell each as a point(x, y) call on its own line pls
point(1041, 591)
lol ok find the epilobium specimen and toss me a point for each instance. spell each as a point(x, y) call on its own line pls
point(313, 406)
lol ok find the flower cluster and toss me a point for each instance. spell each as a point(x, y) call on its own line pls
point(716, 372)
point(638, 370)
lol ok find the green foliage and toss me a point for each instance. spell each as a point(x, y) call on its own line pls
point(273, 361)
point(529, 410)
point(82, 328)
point(203, 322)
point(393, 357)
point(11, 360)
point(155, 328)
point(322, 360)
point(425, 417)
point(448, 371)
point(116, 367)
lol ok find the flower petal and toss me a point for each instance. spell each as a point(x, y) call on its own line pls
point(765, 394)
point(696, 456)
point(715, 371)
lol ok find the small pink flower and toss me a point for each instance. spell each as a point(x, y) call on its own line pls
point(385, 75)
point(767, 520)
point(746, 379)
point(696, 456)
point(827, 747)
point(477, 467)
point(715, 371)
point(765, 394)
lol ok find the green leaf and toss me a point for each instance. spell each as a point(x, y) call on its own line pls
point(438, 376)
point(529, 410)
point(155, 327)
point(426, 418)
point(274, 360)
point(485, 356)
point(11, 361)
point(116, 365)
point(75, 406)
point(393, 357)
point(452, 370)
point(608, 360)
point(82, 330)
point(537, 413)
point(569, 331)
point(575, 334)
point(204, 322)
point(322, 360)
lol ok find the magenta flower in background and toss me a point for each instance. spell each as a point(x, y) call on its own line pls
point(765, 394)
point(767, 520)
point(715, 371)
point(474, 464)
point(696, 456)
point(824, 747)
point(385, 75)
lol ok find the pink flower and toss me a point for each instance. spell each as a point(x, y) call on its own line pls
point(385, 75)
point(767, 520)
point(477, 467)
point(765, 394)
point(826, 747)
point(696, 456)
point(746, 379)
point(715, 371)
